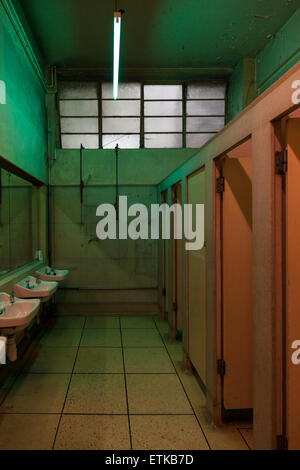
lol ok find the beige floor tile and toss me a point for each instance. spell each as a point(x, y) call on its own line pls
point(37, 393)
point(60, 338)
point(95, 394)
point(167, 433)
point(51, 360)
point(137, 322)
point(93, 433)
point(156, 394)
point(99, 360)
point(248, 436)
point(101, 337)
point(67, 321)
point(141, 338)
point(102, 322)
point(27, 432)
point(226, 437)
point(149, 360)
point(162, 326)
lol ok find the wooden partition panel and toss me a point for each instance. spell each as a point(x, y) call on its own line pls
point(164, 265)
point(293, 283)
point(176, 268)
point(237, 283)
point(196, 301)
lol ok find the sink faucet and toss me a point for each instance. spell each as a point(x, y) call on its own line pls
point(12, 297)
point(2, 311)
point(38, 279)
point(28, 284)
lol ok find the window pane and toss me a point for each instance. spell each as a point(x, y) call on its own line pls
point(197, 140)
point(163, 140)
point(78, 108)
point(163, 108)
point(126, 90)
point(205, 108)
point(206, 90)
point(117, 125)
point(204, 124)
point(163, 92)
point(71, 90)
point(163, 125)
point(121, 108)
point(74, 141)
point(124, 141)
point(79, 125)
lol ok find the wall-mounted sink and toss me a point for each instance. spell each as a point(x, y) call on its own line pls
point(32, 288)
point(15, 316)
point(50, 274)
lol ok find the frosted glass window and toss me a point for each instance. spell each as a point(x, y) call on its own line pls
point(197, 140)
point(204, 124)
point(124, 141)
point(75, 141)
point(120, 125)
point(205, 108)
point(163, 92)
point(79, 125)
point(163, 140)
point(126, 91)
point(78, 90)
point(78, 108)
point(206, 90)
point(163, 124)
point(121, 108)
point(163, 108)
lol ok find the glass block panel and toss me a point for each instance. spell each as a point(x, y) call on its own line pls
point(204, 124)
point(197, 140)
point(78, 108)
point(163, 108)
point(75, 141)
point(163, 141)
point(124, 141)
point(163, 92)
point(79, 125)
point(121, 108)
point(163, 124)
point(205, 108)
point(206, 90)
point(126, 91)
point(78, 90)
point(117, 125)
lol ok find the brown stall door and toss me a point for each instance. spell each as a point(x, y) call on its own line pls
point(237, 283)
point(293, 282)
point(197, 284)
point(164, 264)
point(176, 326)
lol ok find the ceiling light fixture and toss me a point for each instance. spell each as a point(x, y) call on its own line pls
point(117, 41)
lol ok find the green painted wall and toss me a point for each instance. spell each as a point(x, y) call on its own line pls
point(235, 93)
point(282, 52)
point(23, 117)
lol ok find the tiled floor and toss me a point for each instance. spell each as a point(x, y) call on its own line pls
point(113, 383)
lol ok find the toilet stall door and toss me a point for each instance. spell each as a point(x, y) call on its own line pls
point(176, 326)
point(292, 387)
point(196, 290)
point(164, 264)
point(237, 283)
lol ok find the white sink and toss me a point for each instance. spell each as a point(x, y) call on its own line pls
point(2, 350)
point(17, 314)
point(29, 288)
point(14, 317)
point(49, 274)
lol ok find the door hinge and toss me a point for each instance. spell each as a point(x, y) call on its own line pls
point(281, 162)
point(282, 443)
point(175, 307)
point(164, 292)
point(221, 367)
point(220, 185)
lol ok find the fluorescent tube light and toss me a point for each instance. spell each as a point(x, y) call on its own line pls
point(117, 40)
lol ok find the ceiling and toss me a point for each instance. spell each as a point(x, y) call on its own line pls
point(155, 33)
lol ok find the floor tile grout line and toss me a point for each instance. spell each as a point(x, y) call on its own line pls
point(126, 390)
point(188, 398)
point(244, 439)
point(68, 388)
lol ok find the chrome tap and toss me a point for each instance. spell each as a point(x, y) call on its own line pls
point(2, 311)
point(12, 297)
point(38, 280)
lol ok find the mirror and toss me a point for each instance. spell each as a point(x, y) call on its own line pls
point(18, 221)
